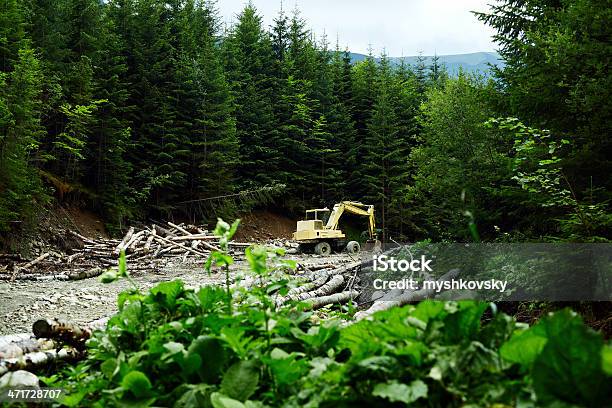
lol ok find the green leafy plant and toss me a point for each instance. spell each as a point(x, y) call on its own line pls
point(224, 232)
point(175, 346)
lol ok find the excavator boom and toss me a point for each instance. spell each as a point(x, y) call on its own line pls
point(353, 208)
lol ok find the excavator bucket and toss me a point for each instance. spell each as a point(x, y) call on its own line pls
point(372, 245)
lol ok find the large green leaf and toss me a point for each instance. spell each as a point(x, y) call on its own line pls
point(240, 380)
point(212, 354)
point(196, 396)
point(524, 346)
point(137, 383)
point(569, 367)
point(606, 359)
point(166, 293)
point(286, 368)
point(219, 400)
point(465, 321)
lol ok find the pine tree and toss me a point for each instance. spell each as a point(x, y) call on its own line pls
point(12, 33)
point(342, 129)
point(295, 126)
point(556, 75)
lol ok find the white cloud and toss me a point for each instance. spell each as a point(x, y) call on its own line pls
point(401, 27)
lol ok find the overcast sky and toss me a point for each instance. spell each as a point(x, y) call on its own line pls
point(402, 27)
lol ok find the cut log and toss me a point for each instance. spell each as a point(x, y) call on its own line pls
point(62, 331)
point(32, 361)
point(312, 275)
point(81, 237)
point(29, 345)
point(404, 298)
point(308, 286)
point(131, 245)
point(167, 241)
point(341, 297)
point(198, 237)
point(124, 242)
point(179, 228)
point(163, 231)
point(35, 261)
point(330, 287)
point(90, 273)
point(150, 238)
point(13, 338)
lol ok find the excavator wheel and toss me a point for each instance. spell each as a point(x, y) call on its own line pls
point(353, 247)
point(322, 248)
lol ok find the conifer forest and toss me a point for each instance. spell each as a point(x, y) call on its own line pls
point(163, 117)
point(135, 106)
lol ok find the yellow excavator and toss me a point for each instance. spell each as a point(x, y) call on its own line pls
point(315, 236)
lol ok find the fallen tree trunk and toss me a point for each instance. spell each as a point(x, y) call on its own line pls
point(13, 338)
point(308, 286)
point(90, 273)
point(330, 287)
point(22, 347)
point(35, 261)
point(37, 359)
point(150, 238)
point(175, 244)
point(404, 298)
point(341, 297)
point(123, 243)
point(313, 275)
point(78, 275)
point(62, 331)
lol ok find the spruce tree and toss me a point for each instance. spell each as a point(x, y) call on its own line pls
point(212, 132)
point(385, 170)
point(109, 168)
point(20, 134)
point(365, 89)
point(248, 58)
point(420, 73)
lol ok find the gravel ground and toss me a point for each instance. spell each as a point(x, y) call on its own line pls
point(24, 302)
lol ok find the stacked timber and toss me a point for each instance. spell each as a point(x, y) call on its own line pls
point(146, 249)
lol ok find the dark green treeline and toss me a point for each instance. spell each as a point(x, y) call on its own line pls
point(133, 106)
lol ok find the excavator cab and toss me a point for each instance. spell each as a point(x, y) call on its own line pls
point(319, 231)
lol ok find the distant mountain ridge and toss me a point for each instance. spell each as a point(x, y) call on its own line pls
point(477, 62)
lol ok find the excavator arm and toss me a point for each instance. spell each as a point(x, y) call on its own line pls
point(353, 208)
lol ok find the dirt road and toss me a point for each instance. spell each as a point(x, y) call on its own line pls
point(23, 302)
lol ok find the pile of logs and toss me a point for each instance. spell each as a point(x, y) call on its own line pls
point(322, 285)
point(147, 249)
point(50, 341)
